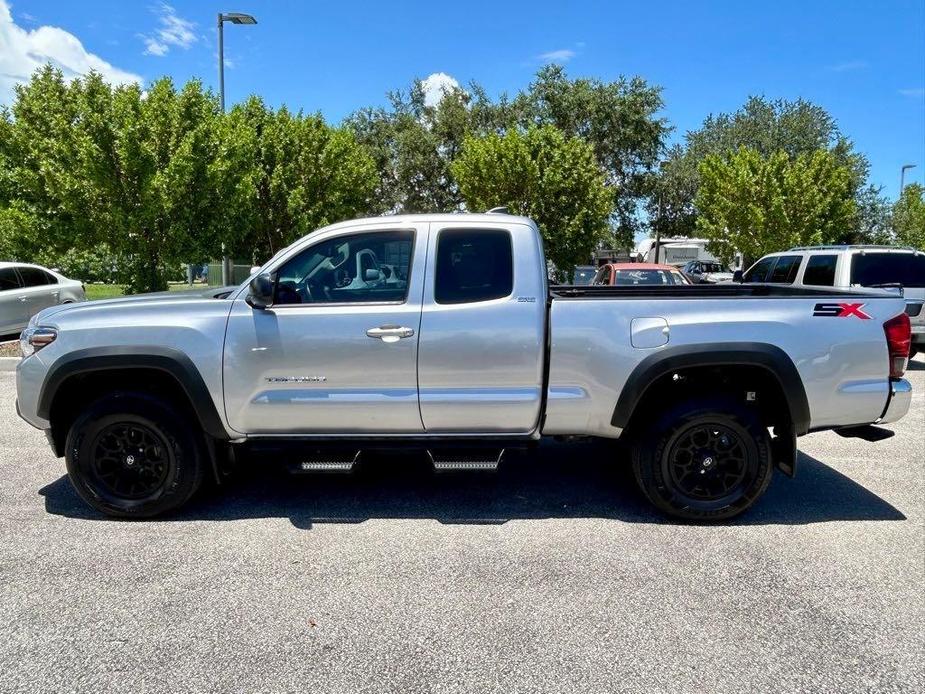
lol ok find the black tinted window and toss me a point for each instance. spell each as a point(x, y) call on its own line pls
point(759, 271)
point(371, 267)
point(33, 276)
point(907, 269)
point(8, 279)
point(785, 271)
point(473, 265)
point(820, 270)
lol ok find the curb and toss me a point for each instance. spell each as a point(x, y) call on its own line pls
point(9, 363)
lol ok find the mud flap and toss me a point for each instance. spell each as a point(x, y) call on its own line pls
point(784, 451)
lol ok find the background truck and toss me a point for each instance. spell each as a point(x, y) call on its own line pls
point(440, 332)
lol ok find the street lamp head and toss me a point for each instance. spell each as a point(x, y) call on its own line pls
point(238, 18)
point(909, 166)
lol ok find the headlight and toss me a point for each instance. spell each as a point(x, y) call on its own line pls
point(33, 339)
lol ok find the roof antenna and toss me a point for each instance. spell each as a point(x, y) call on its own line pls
point(498, 210)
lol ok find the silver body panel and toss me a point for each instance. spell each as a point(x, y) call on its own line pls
point(312, 369)
point(469, 369)
point(480, 366)
point(842, 362)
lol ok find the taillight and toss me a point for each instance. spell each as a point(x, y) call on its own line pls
point(898, 341)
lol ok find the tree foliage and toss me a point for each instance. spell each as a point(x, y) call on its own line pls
point(543, 174)
point(757, 204)
point(766, 127)
point(162, 177)
point(415, 143)
point(909, 217)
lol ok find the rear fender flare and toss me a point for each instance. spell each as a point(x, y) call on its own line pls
point(772, 359)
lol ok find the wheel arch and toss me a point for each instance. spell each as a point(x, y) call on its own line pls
point(108, 364)
point(770, 359)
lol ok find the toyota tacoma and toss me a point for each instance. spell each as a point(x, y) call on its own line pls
point(440, 332)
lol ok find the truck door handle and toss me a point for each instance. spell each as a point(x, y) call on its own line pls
point(23, 298)
point(390, 333)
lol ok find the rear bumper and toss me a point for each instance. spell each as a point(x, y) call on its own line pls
point(898, 403)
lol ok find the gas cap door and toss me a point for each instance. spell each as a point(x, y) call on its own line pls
point(646, 333)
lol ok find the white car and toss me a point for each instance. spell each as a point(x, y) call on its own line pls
point(27, 289)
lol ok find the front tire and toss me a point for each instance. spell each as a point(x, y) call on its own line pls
point(704, 460)
point(130, 455)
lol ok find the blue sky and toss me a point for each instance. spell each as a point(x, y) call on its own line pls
point(863, 62)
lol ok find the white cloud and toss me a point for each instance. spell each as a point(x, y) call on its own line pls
point(436, 85)
point(173, 31)
point(563, 55)
point(914, 93)
point(22, 51)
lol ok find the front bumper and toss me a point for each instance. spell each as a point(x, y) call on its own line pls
point(898, 403)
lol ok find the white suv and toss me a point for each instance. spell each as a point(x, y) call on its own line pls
point(851, 266)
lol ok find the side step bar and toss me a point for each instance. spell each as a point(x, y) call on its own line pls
point(460, 459)
point(443, 460)
point(328, 461)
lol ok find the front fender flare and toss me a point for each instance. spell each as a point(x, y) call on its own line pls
point(166, 359)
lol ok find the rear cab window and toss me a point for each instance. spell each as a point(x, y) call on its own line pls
point(473, 265)
point(871, 269)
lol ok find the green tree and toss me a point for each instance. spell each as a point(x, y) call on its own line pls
point(542, 174)
point(756, 204)
point(415, 143)
point(767, 127)
point(909, 217)
point(142, 159)
point(618, 119)
point(281, 175)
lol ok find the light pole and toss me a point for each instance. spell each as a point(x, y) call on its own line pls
point(902, 177)
point(234, 18)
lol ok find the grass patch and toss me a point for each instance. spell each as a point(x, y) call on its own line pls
point(113, 291)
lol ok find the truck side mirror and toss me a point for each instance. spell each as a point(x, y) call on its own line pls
point(260, 291)
point(737, 276)
point(371, 275)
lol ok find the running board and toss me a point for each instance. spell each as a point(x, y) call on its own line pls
point(461, 459)
point(328, 461)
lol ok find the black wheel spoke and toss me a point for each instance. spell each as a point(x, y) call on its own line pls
point(707, 461)
point(130, 461)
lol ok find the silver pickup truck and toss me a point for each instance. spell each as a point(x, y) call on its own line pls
point(439, 332)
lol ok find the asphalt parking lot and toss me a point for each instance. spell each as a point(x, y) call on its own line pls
point(552, 575)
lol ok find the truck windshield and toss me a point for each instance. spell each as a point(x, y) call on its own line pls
point(869, 269)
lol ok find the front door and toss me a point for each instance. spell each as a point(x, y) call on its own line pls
point(336, 353)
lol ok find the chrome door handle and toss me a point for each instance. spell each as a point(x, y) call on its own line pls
point(23, 298)
point(389, 333)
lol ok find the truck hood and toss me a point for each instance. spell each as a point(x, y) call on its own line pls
point(154, 298)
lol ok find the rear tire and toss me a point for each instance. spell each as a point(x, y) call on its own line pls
point(704, 460)
point(130, 455)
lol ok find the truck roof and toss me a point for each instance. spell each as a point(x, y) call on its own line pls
point(462, 217)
